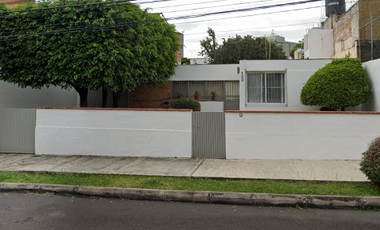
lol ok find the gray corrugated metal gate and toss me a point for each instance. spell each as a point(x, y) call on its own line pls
point(17, 130)
point(209, 135)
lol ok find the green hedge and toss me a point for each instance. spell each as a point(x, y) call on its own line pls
point(183, 103)
point(340, 84)
point(186, 103)
point(370, 164)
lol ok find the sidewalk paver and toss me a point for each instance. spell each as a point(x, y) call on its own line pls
point(13, 160)
point(348, 171)
point(282, 170)
point(176, 167)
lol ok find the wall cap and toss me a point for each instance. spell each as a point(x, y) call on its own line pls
point(307, 112)
point(118, 109)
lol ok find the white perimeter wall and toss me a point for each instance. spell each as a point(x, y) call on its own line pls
point(226, 72)
point(113, 133)
point(12, 96)
point(373, 70)
point(297, 74)
point(308, 136)
point(212, 106)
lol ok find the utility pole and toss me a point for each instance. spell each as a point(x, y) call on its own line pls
point(370, 14)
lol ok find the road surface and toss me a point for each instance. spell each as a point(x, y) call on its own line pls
point(52, 212)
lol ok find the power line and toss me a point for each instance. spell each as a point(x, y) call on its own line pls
point(218, 6)
point(251, 15)
point(242, 10)
point(172, 18)
point(123, 24)
point(190, 4)
point(66, 6)
point(71, 23)
point(256, 28)
point(76, 30)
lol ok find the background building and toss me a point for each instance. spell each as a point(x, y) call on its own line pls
point(356, 32)
point(279, 40)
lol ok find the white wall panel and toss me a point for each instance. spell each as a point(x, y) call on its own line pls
point(113, 133)
point(373, 70)
point(308, 136)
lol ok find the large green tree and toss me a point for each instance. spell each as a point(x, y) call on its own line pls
point(340, 84)
point(299, 45)
point(85, 44)
point(237, 48)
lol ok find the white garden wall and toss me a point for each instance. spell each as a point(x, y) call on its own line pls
point(373, 70)
point(154, 133)
point(302, 135)
point(12, 96)
point(212, 106)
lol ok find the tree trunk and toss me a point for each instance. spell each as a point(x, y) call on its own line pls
point(83, 93)
point(343, 109)
point(115, 100)
point(104, 97)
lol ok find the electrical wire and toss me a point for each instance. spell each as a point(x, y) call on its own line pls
point(250, 15)
point(241, 10)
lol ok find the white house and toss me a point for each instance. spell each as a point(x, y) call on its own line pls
point(262, 85)
point(251, 85)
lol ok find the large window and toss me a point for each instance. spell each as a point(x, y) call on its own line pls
point(224, 90)
point(266, 88)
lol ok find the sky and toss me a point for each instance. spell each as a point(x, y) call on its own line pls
point(254, 17)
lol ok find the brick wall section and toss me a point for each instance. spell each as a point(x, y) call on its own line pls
point(179, 52)
point(364, 10)
point(149, 96)
point(13, 3)
point(346, 33)
point(346, 27)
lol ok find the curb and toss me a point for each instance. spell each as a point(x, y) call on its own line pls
point(254, 199)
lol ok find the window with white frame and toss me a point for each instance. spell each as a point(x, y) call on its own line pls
point(266, 88)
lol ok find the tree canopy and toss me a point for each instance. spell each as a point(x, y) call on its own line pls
point(237, 48)
point(85, 44)
point(299, 45)
point(340, 84)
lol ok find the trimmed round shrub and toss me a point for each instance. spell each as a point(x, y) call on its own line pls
point(186, 103)
point(340, 84)
point(370, 164)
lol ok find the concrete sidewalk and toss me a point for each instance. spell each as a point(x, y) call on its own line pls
point(347, 171)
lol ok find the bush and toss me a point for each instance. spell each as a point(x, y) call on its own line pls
point(370, 164)
point(340, 84)
point(186, 103)
point(183, 103)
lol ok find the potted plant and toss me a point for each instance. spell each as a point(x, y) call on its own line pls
point(196, 94)
point(213, 95)
point(179, 95)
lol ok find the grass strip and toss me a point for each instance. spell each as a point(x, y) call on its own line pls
point(190, 184)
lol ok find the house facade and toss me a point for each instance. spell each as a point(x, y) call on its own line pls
point(251, 85)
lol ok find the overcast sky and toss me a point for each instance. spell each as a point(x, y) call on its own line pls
point(290, 21)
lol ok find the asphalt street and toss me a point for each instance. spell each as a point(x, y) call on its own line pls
point(47, 211)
